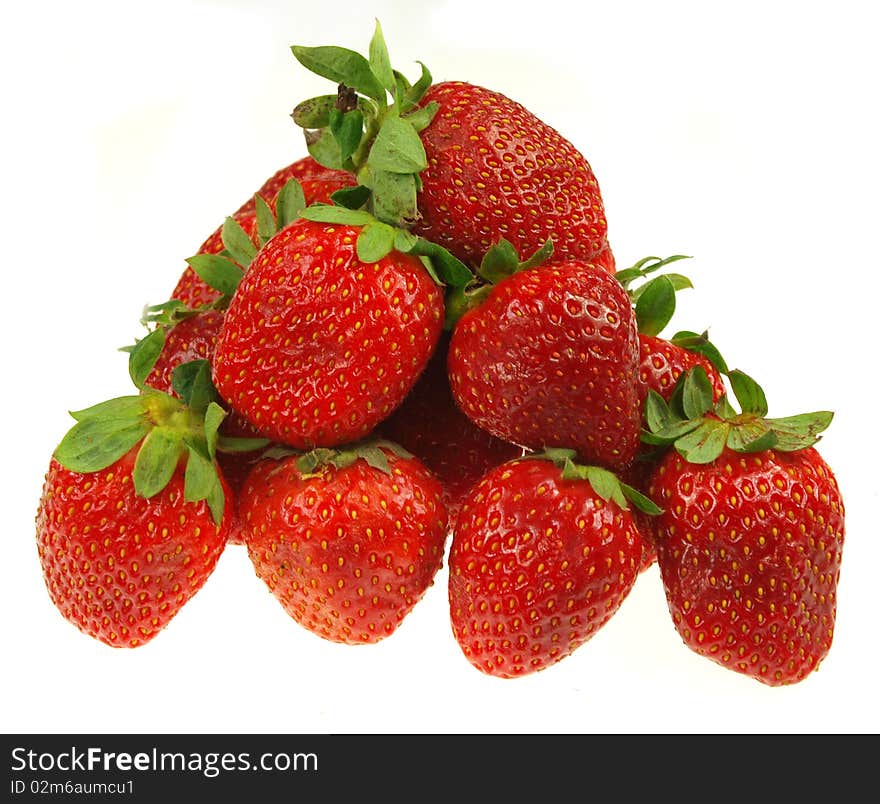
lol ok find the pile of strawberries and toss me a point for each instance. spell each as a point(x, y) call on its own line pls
point(416, 338)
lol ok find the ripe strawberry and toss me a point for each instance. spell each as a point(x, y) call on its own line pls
point(133, 516)
point(348, 542)
point(496, 170)
point(751, 537)
point(543, 555)
point(549, 357)
point(431, 426)
point(318, 184)
point(318, 346)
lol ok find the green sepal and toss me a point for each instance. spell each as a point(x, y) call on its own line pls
point(218, 271)
point(603, 481)
point(704, 443)
point(143, 355)
point(369, 451)
point(696, 398)
point(191, 381)
point(201, 481)
point(502, 260)
point(380, 62)
point(448, 268)
point(753, 435)
point(267, 226)
point(314, 112)
point(655, 305)
point(240, 444)
point(93, 444)
point(327, 213)
point(128, 408)
point(324, 149)
point(375, 241)
point(237, 242)
point(168, 313)
point(347, 129)
point(291, 201)
point(394, 197)
point(647, 266)
point(800, 431)
point(700, 343)
point(417, 91)
point(423, 116)
point(397, 148)
point(342, 66)
point(156, 460)
point(658, 414)
point(351, 197)
point(748, 393)
point(214, 416)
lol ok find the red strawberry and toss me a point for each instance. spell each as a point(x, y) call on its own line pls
point(543, 555)
point(132, 517)
point(348, 542)
point(318, 346)
point(318, 184)
point(496, 170)
point(431, 426)
point(549, 357)
point(663, 361)
point(751, 537)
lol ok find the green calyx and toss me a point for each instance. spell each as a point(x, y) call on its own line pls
point(168, 430)
point(370, 450)
point(370, 128)
point(604, 482)
point(499, 262)
point(700, 430)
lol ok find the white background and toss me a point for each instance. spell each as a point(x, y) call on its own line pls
point(745, 137)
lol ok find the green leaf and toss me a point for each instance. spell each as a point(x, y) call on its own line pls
point(192, 383)
point(750, 436)
point(324, 149)
point(672, 432)
point(143, 355)
point(375, 241)
point(644, 267)
point(375, 458)
point(156, 461)
point(220, 273)
point(351, 197)
point(237, 242)
point(748, 393)
point(312, 460)
point(290, 203)
point(655, 306)
point(422, 117)
point(679, 281)
point(341, 65)
point(696, 393)
point(95, 443)
point(394, 197)
point(325, 213)
point(347, 129)
point(380, 63)
point(314, 112)
point(449, 269)
point(397, 148)
point(723, 408)
point(705, 443)
point(800, 431)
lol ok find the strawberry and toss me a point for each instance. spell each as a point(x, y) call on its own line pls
point(662, 362)
point(348, 540)
point(543, 555)
point(318, 184)
point(751, 536)
point(431, 426)
point(496, 170)
point(133, 515)
point(548, 356)
point(319, 345)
